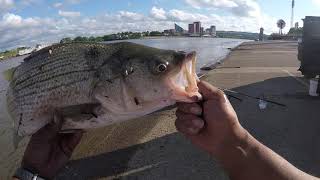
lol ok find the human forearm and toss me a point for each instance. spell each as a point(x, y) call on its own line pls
point(250, 160)
point(214, 127)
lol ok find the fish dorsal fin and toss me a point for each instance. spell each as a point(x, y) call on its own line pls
point(8, 74)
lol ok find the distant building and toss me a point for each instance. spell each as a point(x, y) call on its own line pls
point(191, 29)
point(261, 34)
point(178, 28)
point(169, 32)
point(166, 32)
point(296, 26)
point(197, 27)
point(213, 31)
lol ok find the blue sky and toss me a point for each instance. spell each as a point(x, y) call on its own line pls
point(27, 22)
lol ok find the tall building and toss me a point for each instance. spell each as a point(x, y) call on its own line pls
point(191, 29)
point(261, 34)
point(197, 27)
point(213, 31)
point(178, 28)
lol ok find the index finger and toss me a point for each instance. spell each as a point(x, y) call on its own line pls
point(210, 92)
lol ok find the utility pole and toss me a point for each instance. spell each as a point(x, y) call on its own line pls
point(292, 13)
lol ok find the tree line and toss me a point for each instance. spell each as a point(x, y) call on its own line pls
point(112, 37)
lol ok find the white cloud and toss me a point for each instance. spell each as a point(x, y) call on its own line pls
point(158, 13)
point(5, 5)
point(182, 16)
point(69, 13)
point(58, 5)
point(241, 8)
point(12, 20)
point(131, 15)
point(316, 2)
point(213, 3)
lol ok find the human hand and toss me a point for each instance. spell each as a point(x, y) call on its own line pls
point(48, 150)
point(211, 124)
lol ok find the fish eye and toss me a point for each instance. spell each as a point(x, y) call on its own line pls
point(160, 68)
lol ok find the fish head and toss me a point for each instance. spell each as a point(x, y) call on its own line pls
point(162, 75)
point(176, 74)
point(144, 80)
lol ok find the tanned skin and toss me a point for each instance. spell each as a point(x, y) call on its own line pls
point(213, 126)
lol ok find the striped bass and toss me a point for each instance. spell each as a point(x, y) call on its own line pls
point(95, 85)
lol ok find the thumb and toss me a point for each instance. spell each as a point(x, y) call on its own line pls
point(210, 92)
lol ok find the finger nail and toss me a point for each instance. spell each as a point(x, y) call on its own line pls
point(196, 111)
point(198, 123)
point(225, 98)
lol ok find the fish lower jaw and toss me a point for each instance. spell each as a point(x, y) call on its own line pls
point(187, 97)
point(184, 84)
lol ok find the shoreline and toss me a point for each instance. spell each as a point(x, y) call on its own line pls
point(211, 66)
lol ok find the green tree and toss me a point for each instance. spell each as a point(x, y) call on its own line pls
point(92, 39)
point(66, 40)
point(155, 33)
point(80, 39)
point(109, 37)
point(296, 31)
point(281, 25)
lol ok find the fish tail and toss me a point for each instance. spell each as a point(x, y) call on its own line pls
point(8, 74)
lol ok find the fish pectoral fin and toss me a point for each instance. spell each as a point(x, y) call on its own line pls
point(80, 109)
point(16, 139)
point(8, 74)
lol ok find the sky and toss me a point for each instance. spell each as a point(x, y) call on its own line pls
point(29, 22)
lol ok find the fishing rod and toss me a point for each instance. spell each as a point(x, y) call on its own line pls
point(227, 91)
point(252, 97)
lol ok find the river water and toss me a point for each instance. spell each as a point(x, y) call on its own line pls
point(209, 51)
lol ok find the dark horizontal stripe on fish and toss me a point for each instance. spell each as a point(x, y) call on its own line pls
point(53, 77)
point(30, 77)
point(49, 89)
point(40, 73)
point(37, 65)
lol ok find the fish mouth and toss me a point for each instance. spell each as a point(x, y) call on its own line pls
point(184, 84)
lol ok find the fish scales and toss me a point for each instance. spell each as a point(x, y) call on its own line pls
point(44, 69)
point(76, 64)
point(35, 74)
point(44, 58)
point(58, 75)
point(52, 76)
point(51, 83)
